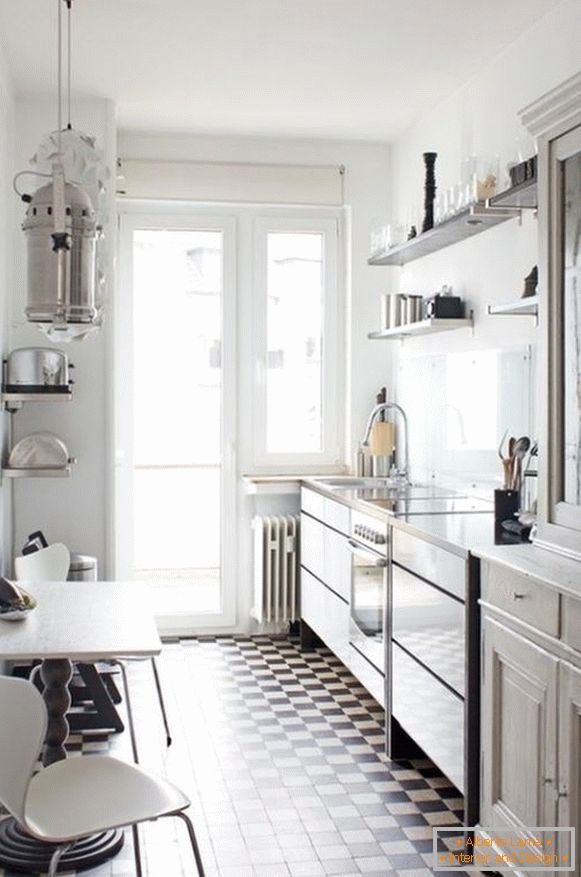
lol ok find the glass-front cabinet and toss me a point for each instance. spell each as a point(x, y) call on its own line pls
point(555, 120)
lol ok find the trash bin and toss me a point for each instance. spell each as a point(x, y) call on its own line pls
point(83, 568)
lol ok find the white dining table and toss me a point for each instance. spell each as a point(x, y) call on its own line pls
point(82, 622)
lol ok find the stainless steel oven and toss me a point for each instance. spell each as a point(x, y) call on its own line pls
point(368, 547)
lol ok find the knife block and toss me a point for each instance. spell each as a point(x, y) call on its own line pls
point(506, 504)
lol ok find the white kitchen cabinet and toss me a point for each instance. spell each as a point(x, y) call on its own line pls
point(325, 554)
point(326, 614)
point(519, 730)
point(325, 570)
point(313, 546)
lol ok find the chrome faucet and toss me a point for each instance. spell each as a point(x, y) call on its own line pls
point(388, 406)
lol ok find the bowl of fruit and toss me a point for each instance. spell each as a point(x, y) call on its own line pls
point(15, 602)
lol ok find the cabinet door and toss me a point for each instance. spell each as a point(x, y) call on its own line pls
point(519, 732)
point(337, 563)
point(326, 613)
point(569, 789)
point(313, 546)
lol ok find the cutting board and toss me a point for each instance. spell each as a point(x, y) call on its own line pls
point(382, 439)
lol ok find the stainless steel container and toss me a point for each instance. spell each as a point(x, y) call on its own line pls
point(413, 308)
point(392, 310)
point(37, 370)
point(67, 295)
point(83, 568)
point(40, 450)
point(380, 465)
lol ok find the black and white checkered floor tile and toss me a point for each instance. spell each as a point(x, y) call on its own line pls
point(282, 754)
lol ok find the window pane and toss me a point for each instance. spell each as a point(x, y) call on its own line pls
point(177, 519)
point(295, 310)
point(177, 299)
point(177, 335)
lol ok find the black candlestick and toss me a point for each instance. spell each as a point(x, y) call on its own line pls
point(429, 190)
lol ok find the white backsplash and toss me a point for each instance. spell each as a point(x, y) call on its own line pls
point(459, 405)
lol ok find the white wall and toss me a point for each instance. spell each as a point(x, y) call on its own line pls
point(6, 275)
point(70, 510)
point(481, 118)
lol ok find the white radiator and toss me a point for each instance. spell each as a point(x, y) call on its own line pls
point(276, 568)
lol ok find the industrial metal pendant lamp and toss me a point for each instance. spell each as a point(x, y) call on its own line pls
point(61, 225)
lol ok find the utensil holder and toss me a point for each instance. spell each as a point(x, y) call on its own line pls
point(506, 504)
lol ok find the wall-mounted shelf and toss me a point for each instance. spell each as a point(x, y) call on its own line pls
point(468, 222)
point(424, 327)
point(527, 307)
point(14, 401)
point(60, 472)
point(524, 196)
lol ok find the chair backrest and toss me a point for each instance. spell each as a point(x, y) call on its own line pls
point(22, 731)
point(47, 565)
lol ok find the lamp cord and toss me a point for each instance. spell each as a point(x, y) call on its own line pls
point(69, 55)
point(60, 77)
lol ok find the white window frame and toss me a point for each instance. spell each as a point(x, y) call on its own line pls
point(333, 382)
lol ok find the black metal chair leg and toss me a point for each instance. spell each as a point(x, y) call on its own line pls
point(137, 851)
point(193, 841)
point(129, 709)
point(168, 739)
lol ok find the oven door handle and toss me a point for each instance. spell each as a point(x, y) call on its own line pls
point(370, 557)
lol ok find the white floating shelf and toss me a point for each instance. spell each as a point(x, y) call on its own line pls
point(527, 307)
point(424, 327)
point(468, 222)
point(54, 472)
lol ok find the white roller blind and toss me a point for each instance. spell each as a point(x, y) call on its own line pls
point(222, 181)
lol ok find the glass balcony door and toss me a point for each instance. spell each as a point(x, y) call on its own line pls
point(175, 370)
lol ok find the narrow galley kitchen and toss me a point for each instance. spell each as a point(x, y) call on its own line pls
point(290, 506)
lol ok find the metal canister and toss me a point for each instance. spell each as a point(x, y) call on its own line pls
point(392, 310)
point(67, 292)
point(413, 308)
point(83, 568)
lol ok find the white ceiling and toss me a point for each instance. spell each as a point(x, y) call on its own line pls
point(356, 69)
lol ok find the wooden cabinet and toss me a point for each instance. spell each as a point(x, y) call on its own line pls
point(530, 704)
point(555, 121)
point(569, 747)
point(519, 730)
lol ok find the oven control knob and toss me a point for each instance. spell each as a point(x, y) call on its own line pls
point(357, 529)
point(381, 540)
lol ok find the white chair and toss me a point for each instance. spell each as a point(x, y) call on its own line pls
point(47, 565)
point(79, 796)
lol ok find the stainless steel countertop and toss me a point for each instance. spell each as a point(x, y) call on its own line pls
point(460, 532)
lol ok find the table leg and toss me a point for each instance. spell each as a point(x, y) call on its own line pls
point(56, 673)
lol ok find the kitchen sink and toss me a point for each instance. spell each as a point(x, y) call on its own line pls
point(350, 482)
